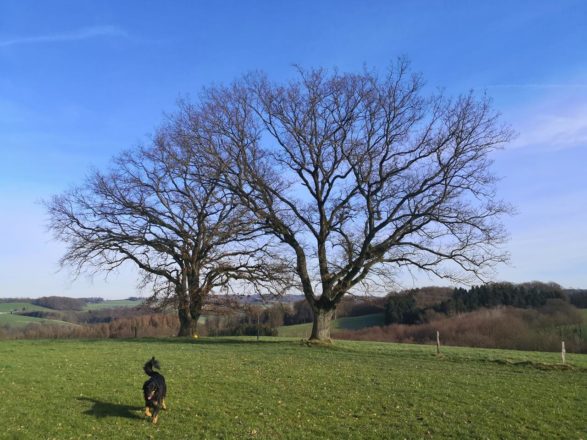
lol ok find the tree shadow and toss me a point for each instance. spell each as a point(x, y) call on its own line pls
point(102, 409)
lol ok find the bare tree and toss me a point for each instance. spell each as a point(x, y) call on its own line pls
point(361, 176)
point(154, 209)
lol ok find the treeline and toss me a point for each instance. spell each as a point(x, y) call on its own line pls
point(406, 308)
point(526, 295)
point(59, 303)
point(577, 297)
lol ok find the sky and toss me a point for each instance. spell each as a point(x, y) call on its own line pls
point(81, 81)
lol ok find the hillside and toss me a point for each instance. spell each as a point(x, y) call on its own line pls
point(11, 313)
point(282, 389)
point(113, 303)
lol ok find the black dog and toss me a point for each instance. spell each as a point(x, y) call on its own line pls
point(154, 390)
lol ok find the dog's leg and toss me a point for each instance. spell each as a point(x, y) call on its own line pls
point(155, 414)
point(163, 406)
point(148, 411)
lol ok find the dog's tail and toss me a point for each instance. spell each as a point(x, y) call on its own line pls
point(151, 363)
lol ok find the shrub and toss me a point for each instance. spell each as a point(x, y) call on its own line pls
point(139, 326)
point(505, 327)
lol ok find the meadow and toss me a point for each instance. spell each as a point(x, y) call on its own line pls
point(113, 303)
point(281, 388)
point(346, 323)
point(15, 320)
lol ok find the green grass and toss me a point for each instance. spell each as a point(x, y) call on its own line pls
point(15, 320)
point(283, 389)
point(19, 306)
point(358, 322)
point(350, 323)
point(21, 321)
point(295, 331)
point(111, 304)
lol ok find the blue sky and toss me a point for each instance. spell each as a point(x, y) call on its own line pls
point(82, 80)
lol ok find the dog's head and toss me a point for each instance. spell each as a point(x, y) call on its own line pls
point(151, 392)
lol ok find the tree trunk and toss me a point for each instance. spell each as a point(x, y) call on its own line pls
point(321, 325)
point(196, 302)
point(187, 326)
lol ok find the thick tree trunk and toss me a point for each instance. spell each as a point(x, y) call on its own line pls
point(186, 323)
point(197, 297)
point(195, 319)
point(321, 325)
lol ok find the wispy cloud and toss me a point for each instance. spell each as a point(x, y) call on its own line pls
point(77, 35)
point(554, 130)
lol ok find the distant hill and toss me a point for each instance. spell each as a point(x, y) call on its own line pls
point(19, 312)
point(114, 303)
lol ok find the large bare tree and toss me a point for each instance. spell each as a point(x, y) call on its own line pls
point(153, 208)
point(361, 176)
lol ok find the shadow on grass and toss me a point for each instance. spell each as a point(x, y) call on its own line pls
point(102, 409)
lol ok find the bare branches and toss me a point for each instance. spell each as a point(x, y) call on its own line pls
point(356, 176)
point(356, 173)
point(159, 209)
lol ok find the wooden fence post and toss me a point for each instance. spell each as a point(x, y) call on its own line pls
point(563, 352)
point(437, 342)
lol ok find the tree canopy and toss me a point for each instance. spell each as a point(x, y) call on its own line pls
point(361, 176)
point(154, 209)
point(354, 177)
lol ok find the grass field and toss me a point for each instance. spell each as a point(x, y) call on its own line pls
point(350, 323)
point(21, 321)
point(14, 320)
point(20, 307)
point(283, 389)
point(114, 303)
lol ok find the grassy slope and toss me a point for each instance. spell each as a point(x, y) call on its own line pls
point(18, 306)
point(21, 321)
point(15, 320)
point(236, 388)
point(111, 304)
point(351, 323)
